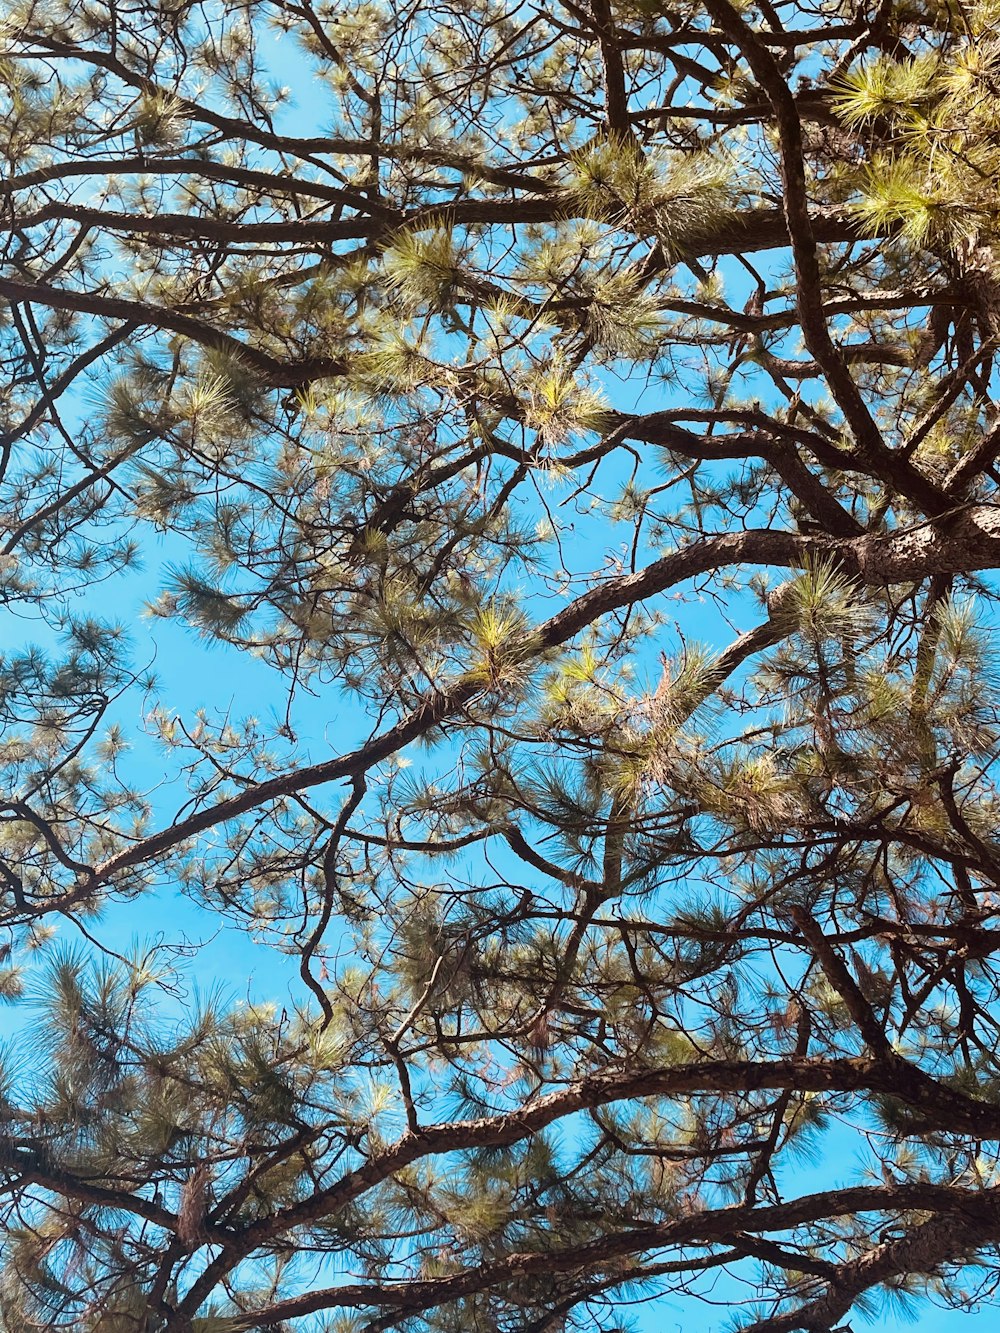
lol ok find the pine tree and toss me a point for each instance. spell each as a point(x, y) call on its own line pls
point(470, 382)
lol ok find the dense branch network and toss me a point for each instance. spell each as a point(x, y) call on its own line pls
point(557, 339)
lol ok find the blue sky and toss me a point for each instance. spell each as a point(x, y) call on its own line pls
point(194, 674)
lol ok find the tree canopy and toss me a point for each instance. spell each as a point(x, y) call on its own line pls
point(583, 416)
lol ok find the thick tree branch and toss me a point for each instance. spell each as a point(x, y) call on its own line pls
point(972, 542)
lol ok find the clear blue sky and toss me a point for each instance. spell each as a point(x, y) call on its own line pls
point(194, 674)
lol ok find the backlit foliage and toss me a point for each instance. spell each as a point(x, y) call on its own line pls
point(499, 715)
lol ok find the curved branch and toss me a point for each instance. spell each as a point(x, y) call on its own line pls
point(809, 285)
point(972, 542)
point(275, 372)
point(947, 1235)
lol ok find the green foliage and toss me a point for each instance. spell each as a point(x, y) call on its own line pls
point(563, 440)
point(675, 196)
point(934, 178)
